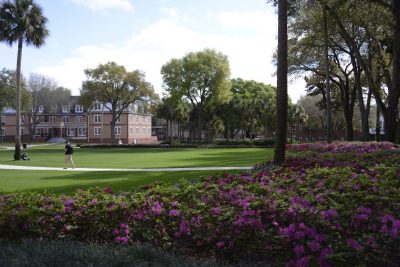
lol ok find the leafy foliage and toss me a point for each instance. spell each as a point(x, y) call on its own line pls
point(331, 204)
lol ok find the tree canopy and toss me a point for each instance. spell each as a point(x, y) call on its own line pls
point(114, 87)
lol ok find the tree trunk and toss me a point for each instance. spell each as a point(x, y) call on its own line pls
point(112, 126)
point(17, 153)
point(327, 85)
point(393, 98)
point(281, 94)
point(199, 123)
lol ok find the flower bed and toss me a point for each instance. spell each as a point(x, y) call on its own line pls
point(332, 205)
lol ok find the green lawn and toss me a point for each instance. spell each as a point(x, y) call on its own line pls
point(68, 181)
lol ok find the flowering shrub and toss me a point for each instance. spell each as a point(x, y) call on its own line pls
point(331, 204)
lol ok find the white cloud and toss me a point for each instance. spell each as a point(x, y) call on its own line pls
point(99, 5)
point(250, 53)
point(170, 12)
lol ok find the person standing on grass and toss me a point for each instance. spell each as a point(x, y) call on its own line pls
point(68, 155)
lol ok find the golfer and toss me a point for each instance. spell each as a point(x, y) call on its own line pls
point(68, 155)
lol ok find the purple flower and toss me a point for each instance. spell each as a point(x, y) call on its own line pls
point(115, 232)
point(299, 250)
point(354, 244)
point(58, 218)
point(173, 213)
point(220, 244)
point(157, 208)
point(93, 202)
point(216, 210)
point(314, 246)
point(107, 190)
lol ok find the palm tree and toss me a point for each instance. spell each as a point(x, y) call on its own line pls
point(21, 21)
point(281, 94)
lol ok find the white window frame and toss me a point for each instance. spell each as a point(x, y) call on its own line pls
point(81, 131)
point(3, 119)
point(137, 118)
point(130, 130)
point(97, 106)
point(130, 117)
point(78, 109)
point(52, 118)
point(118, 120)
point(144, 131)
point(97, 118)
point(97, 131)
point(137, 130)
point(40, 109)
point(70, 131)
point(78, 119)
point(65, 108)
point(65, 119)
point(117, 130)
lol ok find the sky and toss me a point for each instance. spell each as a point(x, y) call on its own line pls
point(146, 34)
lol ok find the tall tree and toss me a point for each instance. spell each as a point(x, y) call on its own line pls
point(21, 21)
point(116, 88)
point(281, 94)
point(201, 77)
point(44, 97)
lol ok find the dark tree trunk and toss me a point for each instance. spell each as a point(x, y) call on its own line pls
point(17, 153)
point(394, 94)
point(327, 78)
point(281, 94)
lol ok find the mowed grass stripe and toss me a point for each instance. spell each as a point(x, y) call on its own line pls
point(67, 182)
point(53, 156)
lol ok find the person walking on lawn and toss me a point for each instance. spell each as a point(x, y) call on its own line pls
point(68, 155)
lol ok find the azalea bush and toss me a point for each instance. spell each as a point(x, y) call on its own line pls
point(329, 205)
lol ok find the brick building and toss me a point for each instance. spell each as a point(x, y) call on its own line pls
point(73, 122)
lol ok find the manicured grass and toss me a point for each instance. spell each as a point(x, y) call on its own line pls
point(53, 156)
point(69, 181)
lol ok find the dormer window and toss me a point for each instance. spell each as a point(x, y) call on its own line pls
point(40, 109)
point(65, 109)
point(97, 106)
point(78, 108)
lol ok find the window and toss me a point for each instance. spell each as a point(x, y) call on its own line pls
point(78, 108)
point(22, 131)
point(65, 109)
point(144, 130)
point(130, 118)
point(3, 131)
point(79, 119)
point(3, 120)
point(118, 120)
point(65, 119)
point(81, 131)
point(40, 109)
point(52, 119)
point(97, 131)
point(137, 130)
point(37, 131)
point(97, 118)
point(137, 118)
point(97, 106)
point(149, 120)
point(131, 131)
point(70, 132)
point(149, 130)
point(117, 130)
